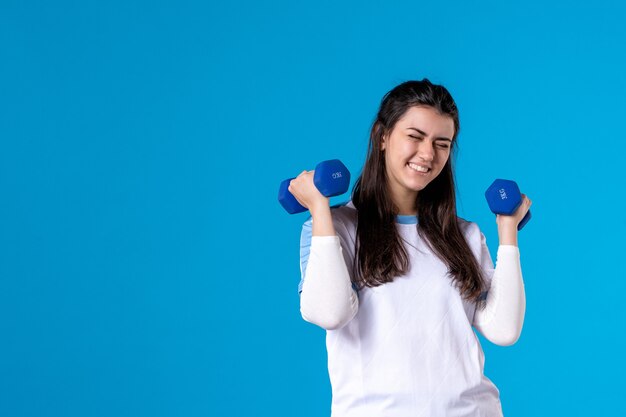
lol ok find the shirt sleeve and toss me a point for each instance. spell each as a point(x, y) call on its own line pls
point(502, 319)
point(327, 296)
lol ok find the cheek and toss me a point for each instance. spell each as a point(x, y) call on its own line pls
point(443, 156)
point(404, 153)
point(441, 162)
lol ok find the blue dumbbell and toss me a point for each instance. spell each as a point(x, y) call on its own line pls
point(331, 178)
point(504, 197)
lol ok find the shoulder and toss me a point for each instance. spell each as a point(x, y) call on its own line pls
point(344, 221)
point(344, 215)
point(474, 237)
point(470, 229)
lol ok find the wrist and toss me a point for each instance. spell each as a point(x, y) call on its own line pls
point(507, 234)
point(322, 221)
point(320, 207)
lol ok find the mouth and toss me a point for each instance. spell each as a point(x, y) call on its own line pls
point(420, 169)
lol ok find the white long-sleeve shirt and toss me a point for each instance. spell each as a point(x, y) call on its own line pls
point(419, 321)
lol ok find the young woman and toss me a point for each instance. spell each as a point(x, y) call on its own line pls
point(398, 280)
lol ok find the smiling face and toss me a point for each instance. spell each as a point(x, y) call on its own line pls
point(416, 152)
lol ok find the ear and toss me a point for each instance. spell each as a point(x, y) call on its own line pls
point(375, 130)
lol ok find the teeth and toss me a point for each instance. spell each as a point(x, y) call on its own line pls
point(419, 168)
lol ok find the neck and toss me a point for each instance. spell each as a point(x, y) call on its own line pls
point(406, 204)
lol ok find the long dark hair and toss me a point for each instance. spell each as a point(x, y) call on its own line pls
point(381, 254)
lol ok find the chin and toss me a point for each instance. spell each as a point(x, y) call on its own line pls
point(415, 187)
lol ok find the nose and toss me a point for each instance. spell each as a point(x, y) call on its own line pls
point(426, 151)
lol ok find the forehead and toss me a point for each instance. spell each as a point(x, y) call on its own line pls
point(428, 120)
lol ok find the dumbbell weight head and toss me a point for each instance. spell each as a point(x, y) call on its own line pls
point(504, 197)
point(331, 178)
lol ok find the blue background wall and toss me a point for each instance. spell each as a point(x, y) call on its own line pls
point(146, 267)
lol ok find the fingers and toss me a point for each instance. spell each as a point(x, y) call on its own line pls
point(298, 187)
point(297, 180)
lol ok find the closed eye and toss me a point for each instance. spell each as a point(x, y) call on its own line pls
point(440, 145)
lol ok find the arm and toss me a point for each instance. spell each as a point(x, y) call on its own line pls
point(327, 298)
point(502, 319)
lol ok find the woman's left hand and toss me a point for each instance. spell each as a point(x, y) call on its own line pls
point(507, 224)
point(515, 218)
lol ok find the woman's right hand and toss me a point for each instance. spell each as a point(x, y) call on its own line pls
point(306, 193)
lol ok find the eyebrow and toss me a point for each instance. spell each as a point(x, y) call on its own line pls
point(425, 134)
